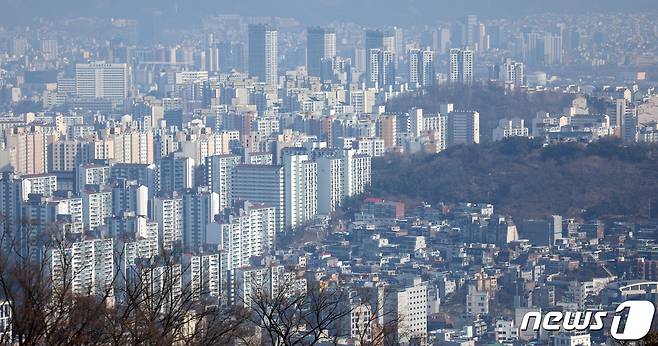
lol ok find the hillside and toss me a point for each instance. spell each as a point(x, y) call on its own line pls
point(491, 102)
point(524, 179)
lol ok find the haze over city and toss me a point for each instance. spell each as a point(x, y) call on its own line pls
point(330, 172)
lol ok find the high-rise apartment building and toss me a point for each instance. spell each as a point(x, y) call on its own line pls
point(330, 183)
point(28, 149)
point(200, 206)
point(208, 274)
point(87, 267)
point(263, 53)
point(176, 173)
point(513, 73)
point(249, 231)
point(67, 155)
point(301, 187)
point(41, 184)
point(356, 172)
point(320, 44)
point(461, 66)
point(97, 204)
point(129, 196)
point(218, 175)
point(91, 174)
point(132, 147)
point(421, 68)
point(168, 212)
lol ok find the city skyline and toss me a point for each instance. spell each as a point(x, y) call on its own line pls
point(417, 172)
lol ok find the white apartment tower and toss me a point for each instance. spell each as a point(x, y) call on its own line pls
point(301, 185)
point(421, 68)
point(461, 66)
point(218, 175)
point(43, 184)
point(168, 212)
point(97, 205)
point(91, 174)
point(88, 266)
point(330, 183)
point(208, 275)
point(356, 172)
point(251, 231)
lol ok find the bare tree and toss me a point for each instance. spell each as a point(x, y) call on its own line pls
point(47, 302)
point(293, 316)
point(373, 320)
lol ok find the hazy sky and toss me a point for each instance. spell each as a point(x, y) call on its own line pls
point(371, 12)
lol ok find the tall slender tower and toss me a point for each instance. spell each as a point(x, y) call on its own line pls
point(263, 53)
point(374, 40)
point(320, 44)
point(461, 66)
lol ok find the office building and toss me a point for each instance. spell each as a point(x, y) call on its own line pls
point(374, 39)
point(470, 31)
point(102, 80)
point(262, 184)
point(542, 232)
point(463, 127)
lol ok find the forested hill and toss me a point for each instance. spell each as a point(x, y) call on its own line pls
point(524, 179)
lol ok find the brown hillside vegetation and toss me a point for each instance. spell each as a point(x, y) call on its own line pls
point(524, 179)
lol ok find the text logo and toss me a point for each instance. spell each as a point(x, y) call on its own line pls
point(639, 316)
